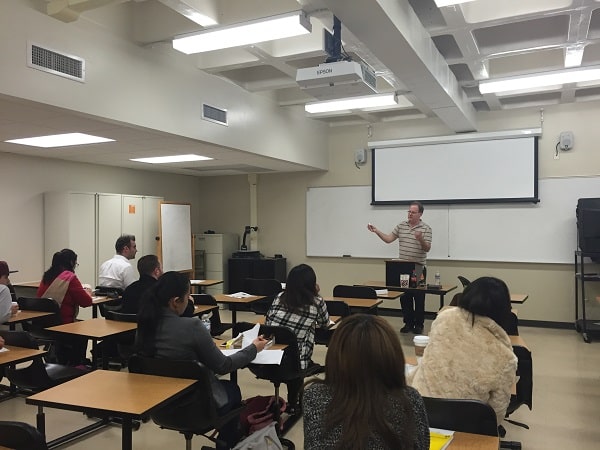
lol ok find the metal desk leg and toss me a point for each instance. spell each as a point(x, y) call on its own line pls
point(126, 431)
point(40, 420)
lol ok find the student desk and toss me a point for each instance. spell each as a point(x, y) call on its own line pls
point(95, 329)
point(201, 284)
point(106, 394)
point(16, 355)
point(391, 295)
point(25, 316)
point(470, 441)
point(444, 289)
point(98, 300)
point(201, 309)
point(518, 298)
point(234, 301)
point(358, 303)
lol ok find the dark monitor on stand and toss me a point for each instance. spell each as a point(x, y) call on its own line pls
point(395, 268)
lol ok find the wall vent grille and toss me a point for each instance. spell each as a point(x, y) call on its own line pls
point(56, 63)
point(214, 114)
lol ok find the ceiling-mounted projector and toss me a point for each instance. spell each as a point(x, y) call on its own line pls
point(337, 80)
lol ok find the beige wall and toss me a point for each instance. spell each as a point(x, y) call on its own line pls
point(223, 204)
point(282, 207)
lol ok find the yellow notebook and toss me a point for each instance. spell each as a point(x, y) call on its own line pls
point(439, 439)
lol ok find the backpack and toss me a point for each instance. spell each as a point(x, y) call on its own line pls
point(260, 413)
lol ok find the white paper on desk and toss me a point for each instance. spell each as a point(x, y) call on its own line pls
point(331, 322)
point(3, 349)
point(264, 357)
point(239, 295)
point(196, 281)
point(381, 291)
point(250, 335)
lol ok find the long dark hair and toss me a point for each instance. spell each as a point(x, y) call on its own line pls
point(66, 259)
point(169, 285)
point(364, 366)
point(300, 288)
point(489, 297)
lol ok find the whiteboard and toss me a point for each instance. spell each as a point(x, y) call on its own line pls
point(545, 232)
point(176, 236)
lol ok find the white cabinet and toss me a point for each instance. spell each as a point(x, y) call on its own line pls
point(90, 223)
point(217, 249)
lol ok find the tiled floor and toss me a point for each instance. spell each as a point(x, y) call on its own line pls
point(566, 403)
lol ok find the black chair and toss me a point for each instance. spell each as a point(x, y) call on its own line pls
point(524, 395)
point(21, 436)
point(468, 416)
point(37, 327)
point(269, 287)
point(464, 281)
point(195, 413)
point(38, 375)
point(125, 342)
point(288, 370)
point(217, 327)
point(342, 290)
point(334, 308)
point(114, 305)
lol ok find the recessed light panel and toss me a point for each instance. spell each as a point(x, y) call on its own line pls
point(172, 159)
point(60, 140)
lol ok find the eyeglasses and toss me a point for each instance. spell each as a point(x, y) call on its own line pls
point(413, 212)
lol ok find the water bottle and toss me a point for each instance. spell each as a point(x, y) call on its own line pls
point(206, 320)
point(438, 279)
point(412, 283)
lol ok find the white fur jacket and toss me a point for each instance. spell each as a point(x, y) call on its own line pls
point(465, 360)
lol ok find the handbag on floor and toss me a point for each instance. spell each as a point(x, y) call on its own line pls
point(264, 439)
point(259, 413)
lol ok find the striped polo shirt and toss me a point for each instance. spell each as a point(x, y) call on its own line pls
point(409, 248)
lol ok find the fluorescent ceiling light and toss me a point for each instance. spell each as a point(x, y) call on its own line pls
point(61, 140)
point(252, 32)
point(573, 55)
point(540, 80)
point(172, 159)
point(365, 102)
point(441, 3)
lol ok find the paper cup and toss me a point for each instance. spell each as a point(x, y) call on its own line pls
point(404, 278)
point(420, 344)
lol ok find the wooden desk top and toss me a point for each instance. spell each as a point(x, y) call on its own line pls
point(518, 298)
point(99, 299)
point(98, 328)
point(106, 390)
point(470, 441)
point(33, 284)
point(224, 298)
point(367, 303)
point(391, 295)
point(201, 309)
point(23, 316)
point(378, 284)
point(16, 355)
point(205, 282)
point(518, 340)
point(220, 343)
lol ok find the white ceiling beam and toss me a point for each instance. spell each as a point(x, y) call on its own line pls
point(402, 44)
point(69, 10)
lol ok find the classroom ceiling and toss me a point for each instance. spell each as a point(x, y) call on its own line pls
point(435, 57)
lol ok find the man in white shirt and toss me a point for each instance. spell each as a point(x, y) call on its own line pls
point(7, 309)
point(117, 272)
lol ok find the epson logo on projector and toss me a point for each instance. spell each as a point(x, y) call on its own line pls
point(324, 71)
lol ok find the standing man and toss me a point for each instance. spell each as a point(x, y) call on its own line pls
point(117, 271)
point(414, 241)
point(7, 309)
point(150, 269)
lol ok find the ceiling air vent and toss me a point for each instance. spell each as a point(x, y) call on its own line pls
point(50, 61)
point(213, 114)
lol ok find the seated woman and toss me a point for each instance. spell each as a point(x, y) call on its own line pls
point(162, 333)
point(61, 284)
point(300, 308)
point(364, 401)
point(469, 355)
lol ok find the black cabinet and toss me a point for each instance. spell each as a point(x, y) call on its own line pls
point(584, 325)
point(242, 268)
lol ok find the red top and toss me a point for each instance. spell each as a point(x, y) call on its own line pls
point(74, 297)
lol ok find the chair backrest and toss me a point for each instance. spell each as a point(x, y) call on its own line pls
point(289, 368)
point(464, 281)
point(21, 436)
point(216, 326)
point(337, 308)
point(37, 377)
point(525, 384)
point(468, 416)
point(262, 286)
point(119, 316)
point(18, 339)
point(204, 299)
point(192, 411)
point(44, 305)
point(108, 291)
point(342, 290)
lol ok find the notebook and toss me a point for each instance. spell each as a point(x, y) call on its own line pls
point(439, 439)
